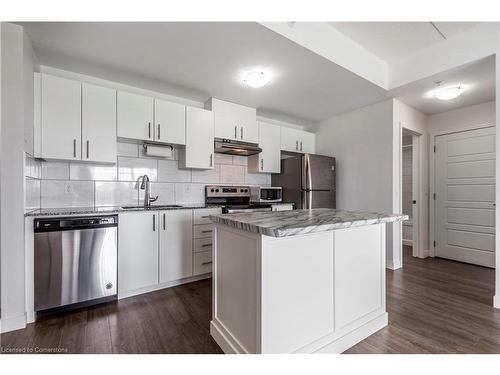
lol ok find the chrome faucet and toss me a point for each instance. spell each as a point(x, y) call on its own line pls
point(145, 185)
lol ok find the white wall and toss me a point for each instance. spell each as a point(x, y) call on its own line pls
point(12, 178)
point(363, 141)
point(461, 119)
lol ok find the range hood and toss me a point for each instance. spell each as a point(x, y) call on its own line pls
point(227, 146)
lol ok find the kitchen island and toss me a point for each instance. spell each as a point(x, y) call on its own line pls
point(302, 281)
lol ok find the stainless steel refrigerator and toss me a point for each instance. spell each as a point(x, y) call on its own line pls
point(307, 180)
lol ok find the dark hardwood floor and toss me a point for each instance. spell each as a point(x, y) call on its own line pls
point(434, 305)
point(174, 320)
point(437, 306)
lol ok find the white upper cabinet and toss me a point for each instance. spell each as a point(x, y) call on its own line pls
point(170, 122)
point(78, 121)
point(98, 124)
point(268, 161)
point(234, 121)
point(144, 118)
point(176, 243)
point(199, 150)
point(307, 142)
point(289, 139)
point(61, 118)
point(296, 140)
point(135, 116)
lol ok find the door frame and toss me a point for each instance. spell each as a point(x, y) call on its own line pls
point(417, 192)
point(432, 182)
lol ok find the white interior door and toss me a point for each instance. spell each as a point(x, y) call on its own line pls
point(465, 196)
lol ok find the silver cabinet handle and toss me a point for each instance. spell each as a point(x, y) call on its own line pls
point(206, 231)
point(205, 263)
point(300, 145)
point(241, 131)
point(74, 148)
point(297, 145)
point(149, 130)
point(164, 224)
point(211, 160)
point(236, 131)
point(88, 142)
point(206, 245)
point(261, 164)
point(204, 217)
point(154, 223)
point(158, 131)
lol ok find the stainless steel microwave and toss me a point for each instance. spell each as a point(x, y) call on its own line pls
point(265, 194)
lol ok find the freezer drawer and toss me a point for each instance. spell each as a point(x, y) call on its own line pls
point(73, 266)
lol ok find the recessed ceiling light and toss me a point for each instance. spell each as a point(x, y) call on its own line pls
point(256, 78)
point(448, 93)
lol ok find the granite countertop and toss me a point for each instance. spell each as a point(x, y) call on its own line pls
point(73, 211)
point(291, 223)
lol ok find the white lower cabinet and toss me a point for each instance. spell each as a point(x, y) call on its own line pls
point(202, 262)
point(137, 251)
point(202, 240)
point(157, 249)
point(176, 254)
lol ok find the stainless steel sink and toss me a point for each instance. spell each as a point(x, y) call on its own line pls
point(152, 207)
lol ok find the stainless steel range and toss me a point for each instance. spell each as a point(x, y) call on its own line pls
point(233, 199)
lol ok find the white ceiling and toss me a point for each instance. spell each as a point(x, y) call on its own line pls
point(392, 41)
point(478, 77)
point(206, 59)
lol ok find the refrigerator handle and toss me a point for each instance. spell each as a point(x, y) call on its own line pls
point(309, 183)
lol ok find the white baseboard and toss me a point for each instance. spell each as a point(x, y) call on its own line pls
point(13, 323)
point(393, 265)
point(336, 345)
point(359, 334)
point(496, 302)
point(169, 284)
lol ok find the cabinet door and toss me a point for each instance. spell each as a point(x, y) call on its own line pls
point(98, 124)
point(199, 151)
point(289, 139)
point(135, 116)
point(249, 130)
point(61, 118)
point(137, 251)
point(226, 126)
point(307, 142)
point(268, 161)
point(170, 122)
point(176, 249)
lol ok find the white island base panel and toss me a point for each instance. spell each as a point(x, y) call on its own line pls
point(313, 293)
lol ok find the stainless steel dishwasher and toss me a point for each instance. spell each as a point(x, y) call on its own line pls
point(75, 262)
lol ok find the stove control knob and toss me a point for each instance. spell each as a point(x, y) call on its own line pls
point(212, 190)
point(216, 190)
point(241, 190)
point(246, 190)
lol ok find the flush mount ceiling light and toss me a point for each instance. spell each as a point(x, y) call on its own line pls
point(256, 78)
point(448, 93)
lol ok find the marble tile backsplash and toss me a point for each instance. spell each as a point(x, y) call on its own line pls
point(52, 184)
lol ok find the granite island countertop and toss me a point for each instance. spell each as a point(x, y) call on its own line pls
point(296, 222)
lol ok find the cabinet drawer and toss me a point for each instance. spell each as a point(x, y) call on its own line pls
point(202, 244)
point(202, 262)
point(202, 216)
point(202, 231)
